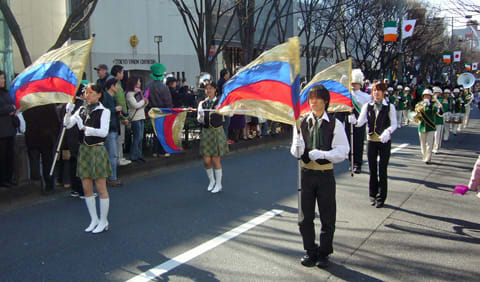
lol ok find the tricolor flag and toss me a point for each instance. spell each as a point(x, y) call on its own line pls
point(390, 31)
point(474, 66)
point(468, 67)
point(457, 56)
point(408, 27)
point(447, 58)
point(268, 87)
point(168, 125)
point(337, 79)
point(52, 78)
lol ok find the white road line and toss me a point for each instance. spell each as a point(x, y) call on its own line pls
point(205, 247)
point(393, 151)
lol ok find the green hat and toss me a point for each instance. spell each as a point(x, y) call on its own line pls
point(85, 82)
point(158, 71)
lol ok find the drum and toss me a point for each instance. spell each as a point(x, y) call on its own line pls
point(457, 119)
point(448, 118)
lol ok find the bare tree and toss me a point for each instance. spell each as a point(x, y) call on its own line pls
point(78, 16)
point(202, 23)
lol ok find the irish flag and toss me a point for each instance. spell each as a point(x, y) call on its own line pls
point(447, 57)
point(390, 31)
point(468, 67)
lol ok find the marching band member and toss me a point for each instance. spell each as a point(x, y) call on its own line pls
point(361, 98)
point(459, 109)
point(439, 121)
point(322, 141)
point(408, 104)
point(446, 101)
point(426, 111)
point(93, 164)
point(213, 142)
point(400, 105)
point(390, 96)
point(468, 98)
point(381, 119)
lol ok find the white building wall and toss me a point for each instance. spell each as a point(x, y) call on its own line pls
point(115, 21)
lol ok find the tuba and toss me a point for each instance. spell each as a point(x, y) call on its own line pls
point(466, 79)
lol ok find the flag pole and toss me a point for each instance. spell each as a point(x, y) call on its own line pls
point(351, 148)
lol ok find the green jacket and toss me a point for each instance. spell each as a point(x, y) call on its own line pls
point(120, 101)
point(427, 122)
point(402, 101)
point(439, 118)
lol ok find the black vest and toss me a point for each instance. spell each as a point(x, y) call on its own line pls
point(93, 120)
point(327, 129)
point(211, 119)
point(381, 122)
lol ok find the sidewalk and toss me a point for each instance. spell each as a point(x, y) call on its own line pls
point(30, 194)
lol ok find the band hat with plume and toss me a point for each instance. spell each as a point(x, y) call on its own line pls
point(456, 90)
point(437, 89)
point(399, 87)
point(390, 89)
point(446, 91)
point(357, 76)
point(407, 88)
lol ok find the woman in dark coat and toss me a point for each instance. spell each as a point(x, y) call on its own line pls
point(7, 134)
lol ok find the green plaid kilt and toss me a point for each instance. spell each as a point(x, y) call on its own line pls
point(93, 162)
point(213, 142)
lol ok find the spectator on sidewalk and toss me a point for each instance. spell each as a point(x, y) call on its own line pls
point(159, 97)
point(117, 72)
point(136, 113)
point(7, 134)
point(111, 142)
point(177, 96)
point(224, 77)
point(102, 72)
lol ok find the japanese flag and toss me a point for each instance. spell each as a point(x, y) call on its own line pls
point(457, 56)
point(474, 66)
point(408, 27)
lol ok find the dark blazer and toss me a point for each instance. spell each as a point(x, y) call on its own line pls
point(6, 120)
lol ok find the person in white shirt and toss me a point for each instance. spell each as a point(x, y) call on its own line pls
point(93, 163)
point(320, 143)
point(381, 119)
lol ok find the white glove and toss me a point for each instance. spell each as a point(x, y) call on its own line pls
point(385, 136)
point(69, 108)
point(427, 101)
point(352, 119)
point(79, 121)
point(201, 112)
point(316, 155)
point(298, 145)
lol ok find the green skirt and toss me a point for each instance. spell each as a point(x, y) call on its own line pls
point(93, 162)
point(213, 142)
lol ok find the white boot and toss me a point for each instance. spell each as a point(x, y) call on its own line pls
point(92, 210)
point(218, 182)
point(212, 180)
point(103, 225)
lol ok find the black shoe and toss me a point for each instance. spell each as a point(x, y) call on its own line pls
point(74, 194)
point(308, 261)
point(357, 169)
point(373, 202)
point(142, 160)
point(322, 262)
point(379, 205)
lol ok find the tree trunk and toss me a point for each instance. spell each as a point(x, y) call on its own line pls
point(16, 32)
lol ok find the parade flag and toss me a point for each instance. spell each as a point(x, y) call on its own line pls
point(390, 31)
point(168, 125)
point(474, 66)
point(447, 58)
point(52, 78)
point(457, 56)
point(268, 87)
point(408, 27)
point(468, 67)
point(337, 79)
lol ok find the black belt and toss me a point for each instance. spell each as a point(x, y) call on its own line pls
point(306, 170)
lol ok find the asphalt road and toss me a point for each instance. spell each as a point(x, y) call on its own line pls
point(424, 233)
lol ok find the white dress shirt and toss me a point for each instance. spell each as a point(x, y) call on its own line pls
point(90, 131)
point(362, 118)
point(340, 147)
point(361, 97)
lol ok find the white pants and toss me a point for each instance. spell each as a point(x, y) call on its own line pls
point(458, 126)
point(399, 118)
point(426, 144)
point(405, 117)
point(438, 137)
point(446, 131)
point(466, 119)
point(121, 141)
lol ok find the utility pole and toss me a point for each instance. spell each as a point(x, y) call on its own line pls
point(400, 49)
point(451, 56)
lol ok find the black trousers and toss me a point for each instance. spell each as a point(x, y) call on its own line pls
point(358, 140)
point(378, 187)
point(46, 153)
point(318, 187)
point(7, 145)
point(67, 173)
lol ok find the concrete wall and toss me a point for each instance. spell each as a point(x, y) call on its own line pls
point(41, 22)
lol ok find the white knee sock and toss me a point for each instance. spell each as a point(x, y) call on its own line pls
point(218, 181)
point(92, 210)
point(104, 206)
point(211, 179)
